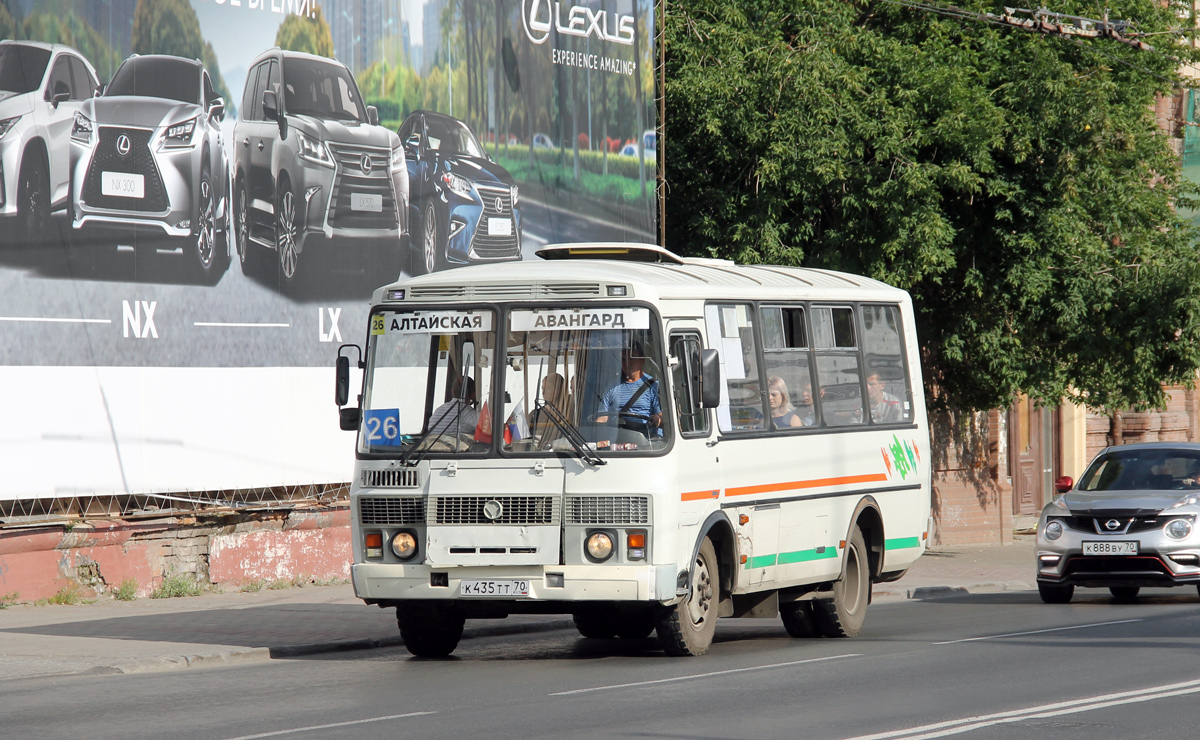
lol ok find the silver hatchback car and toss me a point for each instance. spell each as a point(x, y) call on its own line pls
point(1129, 523)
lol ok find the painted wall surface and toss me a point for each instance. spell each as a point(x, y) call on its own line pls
point(192, 219)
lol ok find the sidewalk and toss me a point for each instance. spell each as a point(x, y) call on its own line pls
point(167, 634)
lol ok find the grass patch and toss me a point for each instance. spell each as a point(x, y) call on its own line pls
point(68, 595)
point(253, 587)
point(175, 585)
point(8, 599)
point(127, 591)
point(279, 585)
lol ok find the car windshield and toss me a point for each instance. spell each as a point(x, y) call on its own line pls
point(1153, 470)
point(452, 137)
point(320, 89)
point(428, 380)
point(22, 67)
point(584, 372)
point(169, 78)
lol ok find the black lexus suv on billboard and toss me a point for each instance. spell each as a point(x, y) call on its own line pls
point(464, 204)
point(311, 160)
point(147, 154)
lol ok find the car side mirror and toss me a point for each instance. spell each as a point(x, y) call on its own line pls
point(216, 109)
point(60, 97)
point(1063, 484)
point(372, 115)
point(99, 90)
point(710, 379)
point(413, 144)
point(270, 103)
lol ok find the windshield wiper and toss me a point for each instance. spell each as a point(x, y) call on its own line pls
point(415, 453)
point(573, 436)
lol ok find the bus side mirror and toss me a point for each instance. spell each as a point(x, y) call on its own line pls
point(710, 379)
point(1063, 484)
point(341, 391)
point(349, 418)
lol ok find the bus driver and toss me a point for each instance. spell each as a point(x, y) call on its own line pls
point(635, 399)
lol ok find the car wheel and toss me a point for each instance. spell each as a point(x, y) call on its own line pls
point(33, 200)
point(1055, 594)
point(431, 248)
point(687, 628)
point(843, 615)
point(204, 230)
point(1124, 593)
point(241, 221)
point(286, 231)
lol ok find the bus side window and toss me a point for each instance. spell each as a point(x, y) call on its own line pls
point(889, 396)
point(838, 371)
point(785, 351)
point(685, 371)
point(731, 333)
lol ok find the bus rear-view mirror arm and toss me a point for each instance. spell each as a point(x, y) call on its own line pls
point(710, 379)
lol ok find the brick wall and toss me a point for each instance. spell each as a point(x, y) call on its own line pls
point(1178, 421)
point(972, 493)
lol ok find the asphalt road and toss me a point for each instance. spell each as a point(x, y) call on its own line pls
point(985, 666)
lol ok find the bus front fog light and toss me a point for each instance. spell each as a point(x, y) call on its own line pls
point(1177, 529)
point(599, 546)
point(374, 544)
point(1054, 530)
point(404, 545)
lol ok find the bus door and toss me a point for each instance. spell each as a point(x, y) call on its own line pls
point(699, 476)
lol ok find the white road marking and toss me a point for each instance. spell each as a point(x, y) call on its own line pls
point(313, 728)
point(240, 325)
point(51, 320)
point(966, 724)
point(1037, 632)
point(705, 675)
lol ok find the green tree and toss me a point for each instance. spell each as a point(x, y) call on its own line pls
point(8, 25)
point(1015, 183)
point(311, 35)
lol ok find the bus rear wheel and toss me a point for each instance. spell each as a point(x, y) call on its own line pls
point(687, 628)
point(593, 625)
point(430, 630)
point(799, 620)
point(843, 615)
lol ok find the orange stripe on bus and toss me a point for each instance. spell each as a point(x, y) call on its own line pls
point(818, 483)
point(698, 495)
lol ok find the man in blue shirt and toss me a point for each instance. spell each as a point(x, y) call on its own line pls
point(636, 397)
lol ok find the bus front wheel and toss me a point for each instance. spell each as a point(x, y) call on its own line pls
point(430, 630)
point(843, 615)
point(687, 628)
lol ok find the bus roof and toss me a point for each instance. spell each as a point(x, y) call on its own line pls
point(563, 278)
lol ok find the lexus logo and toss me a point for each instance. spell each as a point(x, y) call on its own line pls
point(1112, 524)
point(499, 205)
point(123, 145)
point(493, 510)
point(365, 162)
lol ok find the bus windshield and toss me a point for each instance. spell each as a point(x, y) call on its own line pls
point(587, 372)
point(428, 376)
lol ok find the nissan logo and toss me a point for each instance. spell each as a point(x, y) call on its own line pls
point(123, 145)
point(499, 205)
point(1112, 524)
point(493, 510)
point(365, 162)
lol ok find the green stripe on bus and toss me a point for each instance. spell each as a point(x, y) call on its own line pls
point(805, 555)
point(901, 543)
point(762, 561)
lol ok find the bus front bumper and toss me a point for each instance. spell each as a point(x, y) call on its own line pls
point(375, 582)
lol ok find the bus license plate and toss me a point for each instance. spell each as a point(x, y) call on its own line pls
point(494, 587)
point(371, 203)
point(122, 184)
point(1110, 548)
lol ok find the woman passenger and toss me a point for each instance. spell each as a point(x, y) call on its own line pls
point(782, 414)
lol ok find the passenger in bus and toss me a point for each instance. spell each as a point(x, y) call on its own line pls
point(460, 414)
point(635, 400)
point(885, 408)
point(783, 415)
point(807, 410)
point(554, 393)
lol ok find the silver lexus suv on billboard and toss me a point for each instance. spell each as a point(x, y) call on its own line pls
point(310, 159)
point(41, 88)
point(147, 154)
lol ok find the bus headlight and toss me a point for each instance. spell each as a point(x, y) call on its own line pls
point(1054, 530)
point(599, 546)
point(404, 545)
point(1177, 529)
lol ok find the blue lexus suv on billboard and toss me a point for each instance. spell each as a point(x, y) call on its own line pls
point(464, 205)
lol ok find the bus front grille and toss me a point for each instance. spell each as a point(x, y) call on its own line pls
point(391, 511)
point(494, 510)
point(608, 510)
point(404, 478)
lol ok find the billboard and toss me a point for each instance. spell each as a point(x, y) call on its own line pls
point(198, 197)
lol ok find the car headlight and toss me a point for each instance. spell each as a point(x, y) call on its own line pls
point(599, 546)
point(514, 196)
point(8, 123)
point(81, 130)
point(180, 135)
point(1053, 530)
point(311, 150)
point(460, 186)
point(397, 158)
point(1056, 507)
point(1189, 500)
point(1177, 529)
point(404, 545)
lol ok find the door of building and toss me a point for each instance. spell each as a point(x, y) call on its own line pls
point(1033, 453)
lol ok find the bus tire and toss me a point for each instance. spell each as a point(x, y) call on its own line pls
point(632, 625)
point(798, 619)
point(593, 625)
point(687, 628)
point(429, 630)
point(843, 615)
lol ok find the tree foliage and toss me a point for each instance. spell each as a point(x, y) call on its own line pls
point(309, 35)
point(1016, 184)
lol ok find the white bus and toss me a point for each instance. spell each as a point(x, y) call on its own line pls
point(643, 441)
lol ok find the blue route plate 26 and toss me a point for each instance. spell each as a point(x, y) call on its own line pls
point(381, 428)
